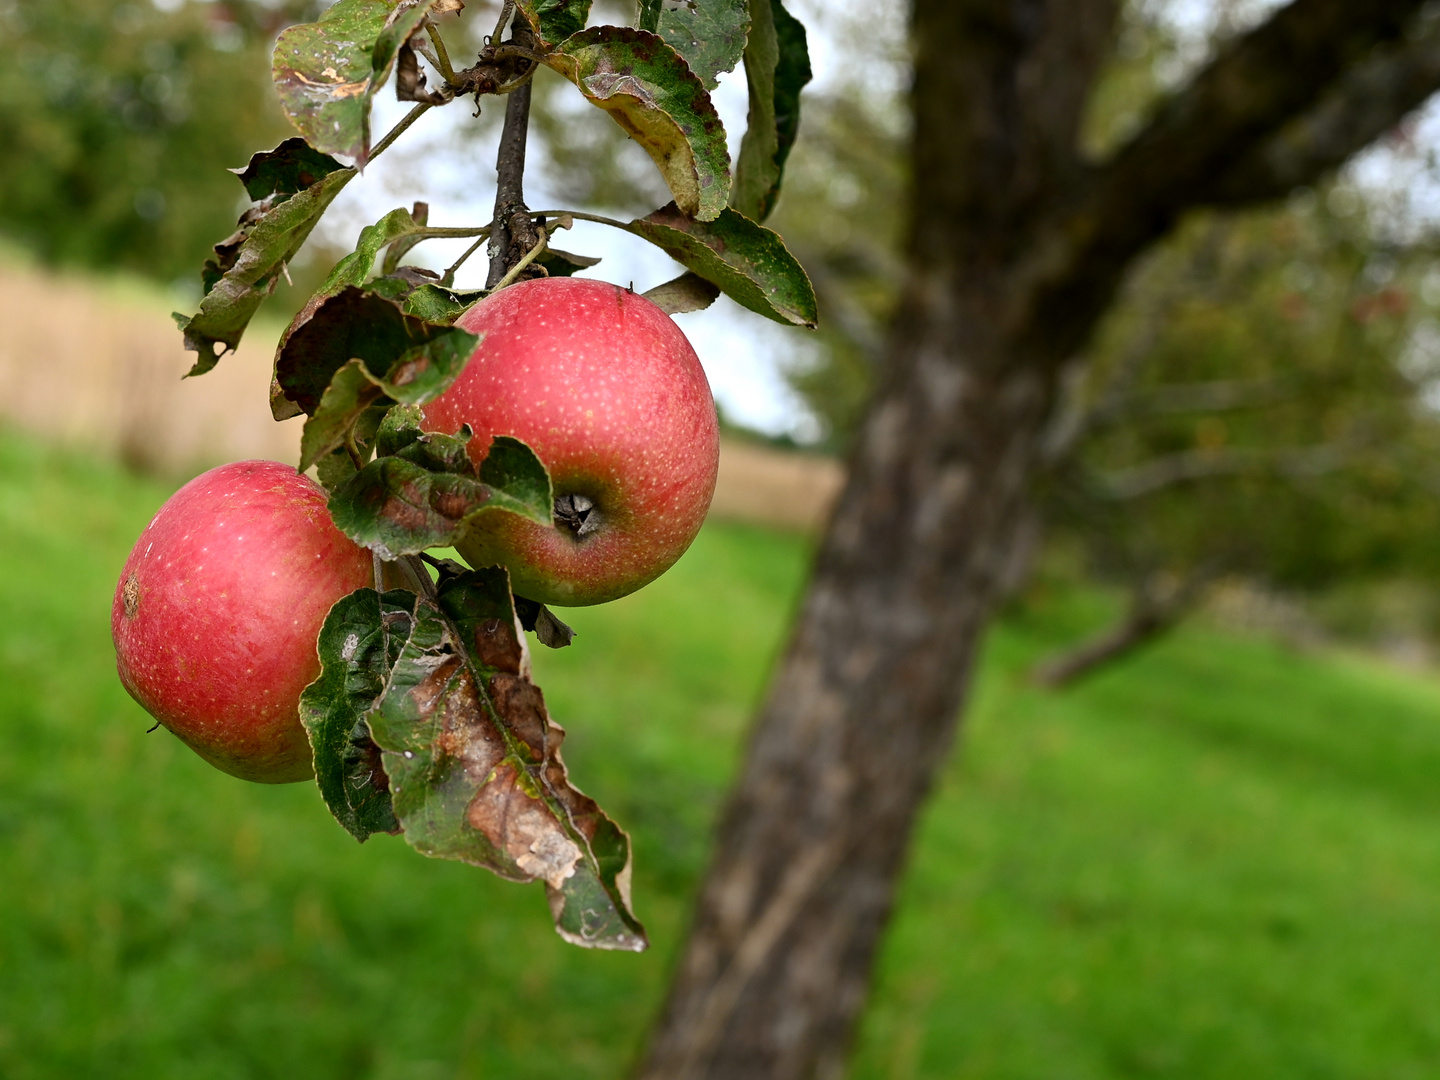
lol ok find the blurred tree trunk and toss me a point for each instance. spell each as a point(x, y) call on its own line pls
point(1016, 250)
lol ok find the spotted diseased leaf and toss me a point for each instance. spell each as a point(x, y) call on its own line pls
point(748, 262)
point(555, 20)
point(402, 352)
point(358, 645)
point(709, 34)
point(647, 88)
point(247, 264)
point(777, 67)
point(422, 491)
point(328, 72)
point(475, 769)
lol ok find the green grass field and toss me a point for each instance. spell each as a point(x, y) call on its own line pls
point(1219, 860)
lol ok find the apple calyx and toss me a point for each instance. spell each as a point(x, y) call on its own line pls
point(578, 513)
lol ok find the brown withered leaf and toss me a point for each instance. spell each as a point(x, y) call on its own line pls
point(475, 768)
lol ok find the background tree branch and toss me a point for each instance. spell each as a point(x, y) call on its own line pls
point(1158, 603)
point(1229, 115)
point(1366, 103)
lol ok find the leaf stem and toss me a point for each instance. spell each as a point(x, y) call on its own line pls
point(579, 216)
point(398, 130)
point(353, 450)
point(458, 233)
point(506, 10)
point(441, 53)
point(517, 83)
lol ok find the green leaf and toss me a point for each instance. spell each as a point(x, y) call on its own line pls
point(397, 349)
point(400, 428)
point(439, 304)
point(512, 467)
point(358, 645)
point(247, 265)
point(423, 490)
point(401, 246)
point(748, 262)
point(328, 72)
point(351, 393)
point(709, 34)
point(474, 763)
point(777, 66)
point(355, 268)
point(555, 20)
point(419, 375)
point(649, 91)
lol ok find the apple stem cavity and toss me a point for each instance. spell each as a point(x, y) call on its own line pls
point(578, 513)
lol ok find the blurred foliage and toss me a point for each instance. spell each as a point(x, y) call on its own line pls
point(1262, 403)
point(116, 137)
point(843, 213)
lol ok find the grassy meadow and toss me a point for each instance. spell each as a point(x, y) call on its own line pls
point(1219, 860)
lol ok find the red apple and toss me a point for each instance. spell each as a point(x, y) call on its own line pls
point(218, 608)
point(603, 386)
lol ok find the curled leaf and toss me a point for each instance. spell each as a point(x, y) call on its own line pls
point(360, 324)
point(748, 262)
point(559, 263)
point(688, 292)
point(475, 769)
point(777, 66)
point(649, 91)
point(358, 645)
point(541, 621)
point(287, 170)
point(298, 188)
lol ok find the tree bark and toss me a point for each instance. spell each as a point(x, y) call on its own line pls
point(511, 232)
point(1015, 253)
point(1156, 608)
